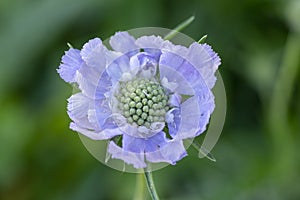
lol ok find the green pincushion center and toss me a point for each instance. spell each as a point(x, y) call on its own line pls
point(142, 102)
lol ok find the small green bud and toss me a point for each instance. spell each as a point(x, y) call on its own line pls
point(132, 104)
point(145, 108)
point(144, 116)
point(140, 122)
point(132, 95)
point(139, 112)
point(132, 111)
point(135, 117)
point(139, 105)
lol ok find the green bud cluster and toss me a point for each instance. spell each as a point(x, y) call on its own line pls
point(142, 102)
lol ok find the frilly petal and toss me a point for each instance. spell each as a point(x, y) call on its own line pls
point(171, 152)
point(94, 54)
point(71, 62)
point(118, 67)
point(87, 82)
point(175, 100)
point(141, 145)
point(136, 159)
point(195, 113)
point(168, 70)
point(150, 42)
point(78, 108)
point(143, 63)
point(156, 148)
point(95, 135)
point(175, 49)
point(123, 42)
point(173, 119)
point(205, 60)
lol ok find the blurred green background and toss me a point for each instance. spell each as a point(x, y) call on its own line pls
point(257, 159)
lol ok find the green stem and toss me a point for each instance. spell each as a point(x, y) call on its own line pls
point(282, 133)
point(150, 184)
point(140, 187)
point(178, 28)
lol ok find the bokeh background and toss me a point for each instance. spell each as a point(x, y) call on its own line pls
point(257, 154)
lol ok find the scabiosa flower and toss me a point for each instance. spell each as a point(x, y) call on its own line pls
point(145, 96)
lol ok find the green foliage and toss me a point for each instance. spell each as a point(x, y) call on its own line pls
point(258, 41)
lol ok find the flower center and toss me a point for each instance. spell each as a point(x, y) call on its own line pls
point(142, 102)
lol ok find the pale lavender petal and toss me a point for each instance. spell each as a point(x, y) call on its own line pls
point(95, 135)
point(118, 67)
point(140, 145)
point(170, 74)
point(171, 152)
point(71, 62)
point(78, 107)
point(194, 117)
point(103, 113)
point(205, 60)
point(145, 64)
point(150, 42)
point(169, 86)
point(207, 106)
point(94, 54)
point(92, 83)
point(136, 159)
point(104, 85)
point(175, 100)
point(173, 119)
point(123, 42)
point(168, 46)
point(87, 82)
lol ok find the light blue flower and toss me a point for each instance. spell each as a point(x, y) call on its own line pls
point(147, 91)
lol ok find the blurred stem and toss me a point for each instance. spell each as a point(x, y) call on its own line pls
point(150, 184)
point(279, 127)
point(140, 187)
point(178, 28)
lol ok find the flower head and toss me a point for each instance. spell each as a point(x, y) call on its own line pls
point(145, 96)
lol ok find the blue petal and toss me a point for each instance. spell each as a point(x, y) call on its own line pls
point(176, 49)
point(78, 108)
point(104, 85)
point(123, 42)
point(87, 80)
point(136, 159)
point(118, 67)
point(145, 64)
point(96, 135)
point(140, 145)
point(177, 69)
point(205, 60)
point(156, 148)
point(92, 72)
point(207, 106)
point(171, 152)
point(103, 114)
point(173, 119)
point(195, 113)
point(168, 68)
point(175, 100)
point(94, 54)
point(92, 83)
point(71, 62)
point(152, 42)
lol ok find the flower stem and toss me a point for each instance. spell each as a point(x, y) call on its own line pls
point(150, 184)
point(140, 187)
point(178, 28)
